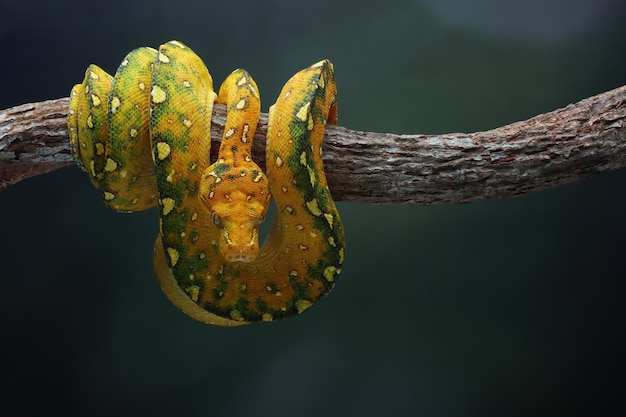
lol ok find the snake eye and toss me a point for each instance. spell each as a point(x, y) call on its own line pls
point(216, 219)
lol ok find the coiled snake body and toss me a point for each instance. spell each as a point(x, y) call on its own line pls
point(143, 138)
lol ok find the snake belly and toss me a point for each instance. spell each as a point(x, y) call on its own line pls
point(143, 138)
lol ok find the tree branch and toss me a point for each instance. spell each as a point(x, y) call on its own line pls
point(547, 150)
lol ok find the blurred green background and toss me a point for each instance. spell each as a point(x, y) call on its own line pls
point(506, 307)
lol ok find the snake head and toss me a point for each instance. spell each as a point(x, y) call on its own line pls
point(238, 198)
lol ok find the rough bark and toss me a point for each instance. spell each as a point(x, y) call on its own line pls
point(547, 150)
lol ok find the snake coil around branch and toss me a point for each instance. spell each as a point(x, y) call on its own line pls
point(147, 137)
point(548, 150)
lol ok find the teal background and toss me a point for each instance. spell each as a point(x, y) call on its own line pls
point(504, 307)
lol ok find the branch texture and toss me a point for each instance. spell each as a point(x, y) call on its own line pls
point(547, 150)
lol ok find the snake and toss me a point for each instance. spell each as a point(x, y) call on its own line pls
point(143, 137)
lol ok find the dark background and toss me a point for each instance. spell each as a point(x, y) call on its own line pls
point(507, 307)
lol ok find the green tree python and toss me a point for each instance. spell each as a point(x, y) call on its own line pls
point(143, 137)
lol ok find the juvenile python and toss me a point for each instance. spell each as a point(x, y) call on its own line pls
point(143, 138)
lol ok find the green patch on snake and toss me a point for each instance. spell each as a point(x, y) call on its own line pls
point(194, 234)
point(238, 310)
point(301, 291)
point(218, 170)
point(219, 291)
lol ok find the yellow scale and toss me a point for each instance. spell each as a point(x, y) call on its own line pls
point(143, 138)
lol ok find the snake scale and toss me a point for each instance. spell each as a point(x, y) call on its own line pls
point(143, 137)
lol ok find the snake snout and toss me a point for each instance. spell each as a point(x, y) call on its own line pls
point(240, 251)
